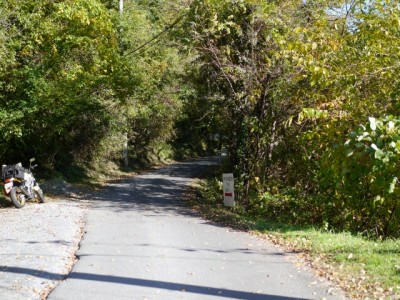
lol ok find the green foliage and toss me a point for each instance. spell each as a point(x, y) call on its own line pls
point(283, 84)
point(373, 155)
point(233, 42)
point(72, 86)
point(57, 90)
point(370, 171)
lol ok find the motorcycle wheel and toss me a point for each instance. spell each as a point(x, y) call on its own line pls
point(39, 194)
point(18, 198)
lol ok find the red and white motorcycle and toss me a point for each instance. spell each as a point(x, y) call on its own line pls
point(20, 184)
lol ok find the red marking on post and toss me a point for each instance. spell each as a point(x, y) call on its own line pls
point(228, 194)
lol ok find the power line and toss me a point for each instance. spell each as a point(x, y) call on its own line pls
point(169, 27)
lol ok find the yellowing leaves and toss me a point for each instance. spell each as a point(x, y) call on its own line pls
point(314, 46)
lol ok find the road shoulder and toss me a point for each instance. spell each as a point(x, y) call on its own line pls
point(38, 245)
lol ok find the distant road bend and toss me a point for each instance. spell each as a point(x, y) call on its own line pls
point(142, 242)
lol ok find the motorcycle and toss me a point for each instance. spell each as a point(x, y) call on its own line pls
point(20, 185)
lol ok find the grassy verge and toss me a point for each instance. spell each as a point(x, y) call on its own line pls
point(365, 269)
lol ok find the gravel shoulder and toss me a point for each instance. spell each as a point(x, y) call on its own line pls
point(38, 243)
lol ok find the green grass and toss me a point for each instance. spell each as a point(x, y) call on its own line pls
point(364, 268)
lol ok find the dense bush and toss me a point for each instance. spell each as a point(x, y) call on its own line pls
point(370, 171)
point(72, 87)
point(292, 80)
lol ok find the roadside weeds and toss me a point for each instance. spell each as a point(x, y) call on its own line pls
point(364, 269)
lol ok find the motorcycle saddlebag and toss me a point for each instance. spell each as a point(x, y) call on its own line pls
point(19, 172)
point(12, 171)
point(7, 171)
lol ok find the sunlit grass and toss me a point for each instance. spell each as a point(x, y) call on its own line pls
point(369, 265)
point(365, 268)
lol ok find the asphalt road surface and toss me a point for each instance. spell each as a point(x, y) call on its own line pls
point(142, 242)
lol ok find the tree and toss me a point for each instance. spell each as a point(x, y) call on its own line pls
point(294, 79)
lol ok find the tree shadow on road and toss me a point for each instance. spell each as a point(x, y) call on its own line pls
point(159, 191)
point(163, 285)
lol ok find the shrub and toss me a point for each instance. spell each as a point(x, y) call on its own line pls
point(370, 172)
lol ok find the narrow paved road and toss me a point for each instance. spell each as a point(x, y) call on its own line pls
point(141, 242)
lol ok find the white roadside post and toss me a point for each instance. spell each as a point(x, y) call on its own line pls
point(229, 191)
point(121, 6)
